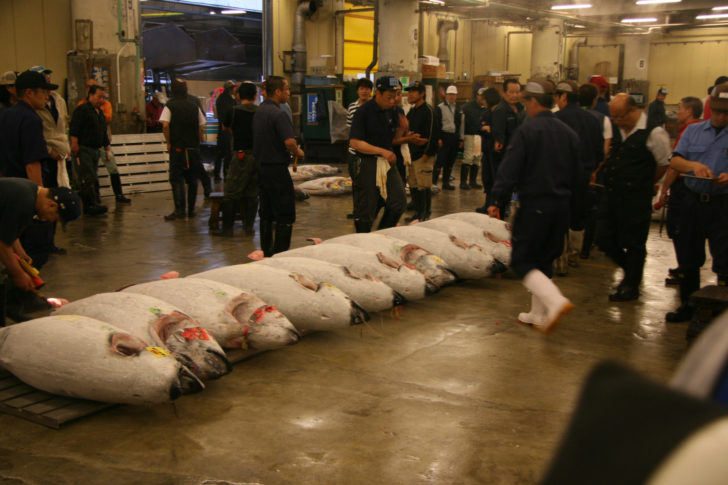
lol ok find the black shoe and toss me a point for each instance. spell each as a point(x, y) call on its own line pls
point(223, 233)
point(672, 281)
point(191, 215)
point(482, 210)
point(120, 199)
point(673, 271)
point(625, 293)
point(174, 216)
point(95, 210)
point(684, 313)
point(448, 187)
point(350, 215)
point(464, 187)
point(57, 250)
point(584, 254)
point(476, 186)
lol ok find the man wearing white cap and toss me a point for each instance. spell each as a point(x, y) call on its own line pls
point(450, 137)
point(543, 162)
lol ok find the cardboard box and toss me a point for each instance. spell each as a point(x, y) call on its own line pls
point(433, 72)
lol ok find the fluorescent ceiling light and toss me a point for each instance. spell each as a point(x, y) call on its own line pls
point(569, 7)
point(233, 12)
point(713, 16)
point(725, 7)
point(639, 20)
point(653, 2)
point(434, 2)
point(579, 26)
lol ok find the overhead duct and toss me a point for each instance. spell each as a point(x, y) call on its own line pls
point(443, 28)
point(298, 62)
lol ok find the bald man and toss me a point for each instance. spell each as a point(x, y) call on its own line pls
point(638, 158)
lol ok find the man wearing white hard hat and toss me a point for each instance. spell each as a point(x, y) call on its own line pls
point(450, 137)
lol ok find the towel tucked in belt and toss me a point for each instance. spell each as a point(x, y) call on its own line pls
point(382, 169)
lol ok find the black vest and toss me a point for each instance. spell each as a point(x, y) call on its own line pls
point(631, 166)
point(184, 128)
point(242, 127)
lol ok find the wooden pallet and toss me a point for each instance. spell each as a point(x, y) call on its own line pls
point(143, 163)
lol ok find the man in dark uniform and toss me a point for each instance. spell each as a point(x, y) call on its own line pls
point(638, 158)
point(656, 115)
point(591, 152)
point(89, 142)
point(273, 144)
point(223, 104)
point(472, 148)
point(506, 118)
point(492, 98)
point(182, 125)
point(241, 182)
point(450, 120)
point(543, 162)
point(376, 177)
point(422, 149)
point(703, 152)
point(21, 201)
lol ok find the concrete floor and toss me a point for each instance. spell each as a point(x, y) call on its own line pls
point(453, 391)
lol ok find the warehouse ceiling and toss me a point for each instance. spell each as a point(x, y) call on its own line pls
point(602, 15)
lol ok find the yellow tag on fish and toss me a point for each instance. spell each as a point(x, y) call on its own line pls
point(158, 352)
point(437, 260)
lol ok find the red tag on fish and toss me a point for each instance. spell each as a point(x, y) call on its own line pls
point(241, 155)
point(196, 333)
point(260, 312)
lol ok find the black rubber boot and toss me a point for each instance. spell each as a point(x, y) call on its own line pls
point(116, 185)
point(192, 198)
point(90, 206)
point(416, 196)
point(474, 178)
point(178, 196)
point(266, 237)
point(464, 177)
point(689, 284)
point(282, 241)
point(227, 206)
point(250, 209)
point(361, 226)
point(446, 185)
point(428, 205)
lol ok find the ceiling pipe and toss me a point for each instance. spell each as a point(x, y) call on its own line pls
point(443, 28)
point(375, 47)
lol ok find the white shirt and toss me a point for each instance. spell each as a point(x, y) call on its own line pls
point(658, 143)
point(167, 116)
point(607, 130)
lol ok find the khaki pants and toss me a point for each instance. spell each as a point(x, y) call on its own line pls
point(419, 173)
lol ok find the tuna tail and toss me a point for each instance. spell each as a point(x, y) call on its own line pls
point(430, 287)
point(358, 314)
point(218, 363)
point(398, 299)
point(186, 383)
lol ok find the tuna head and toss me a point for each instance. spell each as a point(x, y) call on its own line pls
point(432, 266)
point(265, 327)
point(192, 346)
point(397, 298)
point(430, 286)
point(129, 346)
point(357, 315)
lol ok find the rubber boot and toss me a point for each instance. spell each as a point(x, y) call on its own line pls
point(90, 207)
point(474, 178)
point(689, 284)
point(266, 237)
point(250, 209)
point(536, 315)
point(446, 179)
point(97, 191)
point(116, 185)
point(227, 206)
point(548, 293)
point(362, 226)
point(464, 177)
point(191, 198)
point(416, 196)
point(178, 196)
point(435, 175)
point(282, 240)
point(428, 205)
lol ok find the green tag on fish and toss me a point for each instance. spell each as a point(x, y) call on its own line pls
point(221, 293)
point(156, 311)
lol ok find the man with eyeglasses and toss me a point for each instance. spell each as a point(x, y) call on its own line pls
point(638, 158)
point(702, 155)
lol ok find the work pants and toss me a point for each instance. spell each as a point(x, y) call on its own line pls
point(446, 156)
point(277, 208)
point(87, 162)
point(419, 173)
point(184, 168)
point(623, 223)
point(224, 153)
point(369, 200)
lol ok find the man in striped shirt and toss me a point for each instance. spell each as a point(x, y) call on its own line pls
point(364, 91)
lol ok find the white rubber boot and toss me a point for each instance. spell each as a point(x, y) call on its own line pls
point(555, 303)
point(537, 314)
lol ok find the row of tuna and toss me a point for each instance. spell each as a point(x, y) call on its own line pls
point(153, 342)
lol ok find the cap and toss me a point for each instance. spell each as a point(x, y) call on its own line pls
point(40, 69)
point(416, 86)
point(662, 91)
point(481, 92)
point(69, 204)
point(229, 84)
point(32, 80)
point(388, 83)
point(8, 78)
point(719, 98)
point(567, 86)
point(451, 90)
point(539, 86)
point(599, 81)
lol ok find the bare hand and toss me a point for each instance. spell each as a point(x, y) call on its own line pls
point(498, 146)
point(722, 180)
point(389, 156)
point(439, 143)
point(494, 212)
point(74, 148)
point(300, 154)
point(663, 197)
point(701, 170)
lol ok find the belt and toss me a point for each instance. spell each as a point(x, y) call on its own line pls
point(707, 197)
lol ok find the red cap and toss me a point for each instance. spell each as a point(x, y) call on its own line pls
point(599, 82)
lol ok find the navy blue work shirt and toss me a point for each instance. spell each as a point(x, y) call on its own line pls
point(374, 125)
point(271, 128)
point(21, 139)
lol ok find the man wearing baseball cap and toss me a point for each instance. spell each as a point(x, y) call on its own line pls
point(450, 117)
point(376, 178)
point(543, 162)
point(702, 154)
point(21, 201)
point(656, 114)
point(423, 147)
point(8, 95)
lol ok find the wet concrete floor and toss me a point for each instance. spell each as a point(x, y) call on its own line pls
point(453, 390)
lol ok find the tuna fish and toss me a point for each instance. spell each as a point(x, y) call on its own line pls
point(403, 278)
point(501, 230)
point(308, 304)
point(424, 261)
point(236, 319)
point(160, 324)
point(371, 293)
point(467, 260)
point(327, 186)
point(86, 358)
point(311, 171)
point(465, 231)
